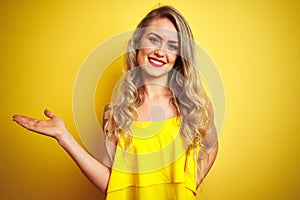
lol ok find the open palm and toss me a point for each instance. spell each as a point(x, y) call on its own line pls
point(54, 127)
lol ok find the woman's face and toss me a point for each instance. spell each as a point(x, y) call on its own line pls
point(158, 49)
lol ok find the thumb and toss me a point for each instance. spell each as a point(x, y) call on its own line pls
point(48, 113)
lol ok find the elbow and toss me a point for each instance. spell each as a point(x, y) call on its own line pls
point(102, 184)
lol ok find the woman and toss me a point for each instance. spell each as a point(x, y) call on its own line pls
point(162, 88)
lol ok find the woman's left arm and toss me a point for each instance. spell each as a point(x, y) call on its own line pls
point(210, 154)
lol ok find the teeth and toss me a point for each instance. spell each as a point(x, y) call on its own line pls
point(156, 62)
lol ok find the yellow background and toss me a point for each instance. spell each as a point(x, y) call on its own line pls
point(255, 45)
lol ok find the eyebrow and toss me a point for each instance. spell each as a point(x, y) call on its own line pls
point(157, 35)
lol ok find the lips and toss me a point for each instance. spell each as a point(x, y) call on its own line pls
point(156, 62)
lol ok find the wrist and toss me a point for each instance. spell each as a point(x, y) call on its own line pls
point(63, 138)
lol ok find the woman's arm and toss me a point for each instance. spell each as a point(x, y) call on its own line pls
point(95, 171)
point(210, 147)
point(209, 154)
point(109, 149)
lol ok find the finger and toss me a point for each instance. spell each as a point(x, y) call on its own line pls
point(48, 113)
point(24, 118)
point(26, 122)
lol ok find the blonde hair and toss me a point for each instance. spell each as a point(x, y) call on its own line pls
point(188, 96)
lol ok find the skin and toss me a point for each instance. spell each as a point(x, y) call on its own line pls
point(95, 171)
point(158, 43)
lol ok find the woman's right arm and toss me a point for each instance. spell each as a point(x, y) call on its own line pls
point(94, 170)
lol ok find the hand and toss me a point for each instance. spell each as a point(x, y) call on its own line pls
point(54, 127)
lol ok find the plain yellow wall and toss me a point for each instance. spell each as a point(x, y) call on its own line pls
point(255, 45)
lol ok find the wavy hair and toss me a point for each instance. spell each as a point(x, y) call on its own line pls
point(188, 96)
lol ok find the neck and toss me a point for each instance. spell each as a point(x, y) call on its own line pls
point(154, 90)
point(155, 86)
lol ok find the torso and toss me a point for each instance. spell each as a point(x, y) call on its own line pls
point(160, 158)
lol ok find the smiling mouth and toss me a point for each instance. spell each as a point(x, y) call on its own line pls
point(156, 62)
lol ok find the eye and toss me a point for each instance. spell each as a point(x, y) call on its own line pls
point(153, 40)
point(173, 47)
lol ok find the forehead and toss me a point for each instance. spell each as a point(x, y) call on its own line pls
point(163, 27)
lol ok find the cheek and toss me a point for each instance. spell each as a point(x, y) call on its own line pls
point(142, 54)
point(141, 57)
point(172, 58)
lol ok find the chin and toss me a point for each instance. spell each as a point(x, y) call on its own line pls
point(153, 72)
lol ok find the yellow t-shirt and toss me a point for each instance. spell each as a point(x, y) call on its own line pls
point(156, 165)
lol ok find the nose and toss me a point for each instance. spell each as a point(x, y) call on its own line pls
point(159, 52)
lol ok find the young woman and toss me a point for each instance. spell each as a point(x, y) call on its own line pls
point(160, 137)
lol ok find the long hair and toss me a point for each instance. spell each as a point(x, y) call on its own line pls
point(188, 96)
